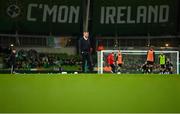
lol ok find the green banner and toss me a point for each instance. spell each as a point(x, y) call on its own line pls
point(134, 17)
point(40, 16)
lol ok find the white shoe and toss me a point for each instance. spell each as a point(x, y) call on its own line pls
point(118, 72)
point(15, 72)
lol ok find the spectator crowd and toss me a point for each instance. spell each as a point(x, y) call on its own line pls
point(27, 59)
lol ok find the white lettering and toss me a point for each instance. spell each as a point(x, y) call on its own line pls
point(63, 14)
point(164, 13)
point(141, 14)
point(110, 15)
point(48, 12)
point(129, 15)
point(120, 14)
point(29, 12)
point(153, 11)
point(74, 12)
point(55, 13)
point(132, 15)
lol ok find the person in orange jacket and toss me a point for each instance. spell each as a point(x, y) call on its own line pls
point(150, 59)
point(119, 61)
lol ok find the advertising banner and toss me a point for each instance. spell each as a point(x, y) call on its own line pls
point(41, 16)
point(134, 17)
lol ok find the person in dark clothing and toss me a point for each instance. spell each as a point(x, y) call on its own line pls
point(168, 67)
point(85, 49)
point(144, 68)
point(12, 60)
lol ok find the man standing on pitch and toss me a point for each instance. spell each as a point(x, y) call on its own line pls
point(150, 59)
point(119, 61)
point(162, 62)
point(12, 59)
point(85, 48)
point(111, 62)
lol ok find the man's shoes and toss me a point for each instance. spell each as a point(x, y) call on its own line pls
point(15, 72)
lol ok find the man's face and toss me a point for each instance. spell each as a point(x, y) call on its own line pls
point(86, 34)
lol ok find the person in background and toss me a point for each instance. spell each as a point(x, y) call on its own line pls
point(168, 67)
point(85, 50)
point(110, 60)
point(150, 59)
point(119, 61)
point(162, 62)
point(12, 59)
point(144, 68)
point(100, 46)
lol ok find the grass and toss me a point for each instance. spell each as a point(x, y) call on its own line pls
point(89, 93)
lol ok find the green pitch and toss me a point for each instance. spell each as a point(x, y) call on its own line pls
point(89, 93)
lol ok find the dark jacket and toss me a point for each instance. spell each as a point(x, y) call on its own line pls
point(84, 45)
point(12, 58)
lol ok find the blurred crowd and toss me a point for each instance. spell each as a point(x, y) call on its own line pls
point(27, 59)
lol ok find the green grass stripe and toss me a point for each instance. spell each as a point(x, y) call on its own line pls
point(89, 93)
